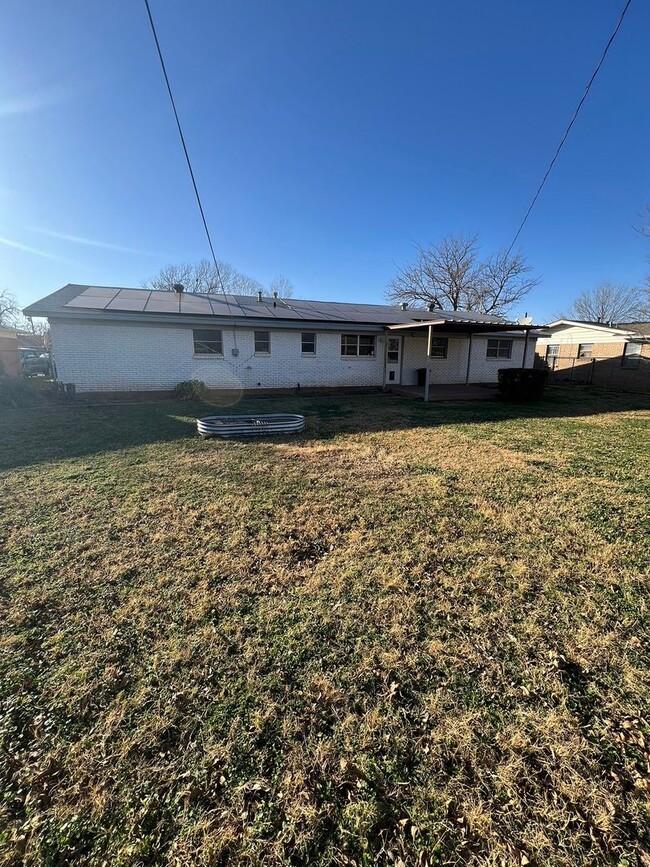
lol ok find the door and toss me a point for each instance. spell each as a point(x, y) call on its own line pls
point(393, 360)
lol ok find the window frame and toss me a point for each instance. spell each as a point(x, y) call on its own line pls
point(357, 345)
point(256, 340)
point(497, 350)
point(443, 344)
point(632, 360)
point(217, 340)
point(304, 351)
point(549, 354)
point(584, 352)
point(390, 351)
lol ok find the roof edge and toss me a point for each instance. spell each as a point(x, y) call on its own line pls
point(591, 325)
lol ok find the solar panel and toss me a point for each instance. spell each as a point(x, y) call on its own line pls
point(163, 302)
point(282, 312)
point(102, 291)
point(93, 298)
point(132, 294)
point(246, 307)
point(196, 305)
point(254, 309)
point(135, 304)
point(223, 305)
point(88, 302)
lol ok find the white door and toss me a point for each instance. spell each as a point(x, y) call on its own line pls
point(393, 360)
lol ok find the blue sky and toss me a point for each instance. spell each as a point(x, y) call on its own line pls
point(327, 138)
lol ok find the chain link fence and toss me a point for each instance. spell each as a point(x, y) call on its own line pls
point(607, 372)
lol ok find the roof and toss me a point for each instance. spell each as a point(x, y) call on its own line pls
point(117, 303)
point(640, 328)
point(472, 326)
point(592, 326)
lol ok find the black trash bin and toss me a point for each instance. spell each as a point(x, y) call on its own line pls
point(422, 375)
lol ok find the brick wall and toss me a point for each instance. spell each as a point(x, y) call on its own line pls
point(130, 357)
point(570, 350)
point(604, 368)
point(453, 369)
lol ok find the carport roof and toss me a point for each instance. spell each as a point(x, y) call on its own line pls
point(470, 326)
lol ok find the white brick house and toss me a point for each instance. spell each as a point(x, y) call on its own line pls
point(109, 339)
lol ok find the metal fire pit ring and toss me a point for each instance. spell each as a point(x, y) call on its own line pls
point(226, 426)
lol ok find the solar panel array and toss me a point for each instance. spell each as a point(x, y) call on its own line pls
point(228, 306)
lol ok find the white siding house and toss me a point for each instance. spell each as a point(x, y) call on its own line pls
point(132, 340)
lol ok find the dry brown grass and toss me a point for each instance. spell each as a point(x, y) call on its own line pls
point(417, 635)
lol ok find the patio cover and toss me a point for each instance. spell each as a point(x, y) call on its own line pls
point(468, 326)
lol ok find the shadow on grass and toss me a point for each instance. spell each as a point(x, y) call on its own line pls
point(47, 433)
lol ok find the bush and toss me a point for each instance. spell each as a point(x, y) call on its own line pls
point(191, 389)
point(17, 393)
point(517, 383)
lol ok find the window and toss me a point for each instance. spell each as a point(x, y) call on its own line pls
point(392, 351)
point(308, 344)
point(585, 350)
point(358, 344)
point(631, 356)
point(552, 350)
point(438, 347)
point(262, 342)
point(207, 342)
point(499, 348)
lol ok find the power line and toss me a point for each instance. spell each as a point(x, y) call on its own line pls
point(185, 151)
point(572, 121)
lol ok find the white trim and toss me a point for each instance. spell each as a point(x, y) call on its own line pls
point(574, 323)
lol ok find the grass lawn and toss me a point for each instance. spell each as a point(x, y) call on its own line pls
point(417, 634)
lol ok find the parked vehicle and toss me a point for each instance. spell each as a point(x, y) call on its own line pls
point(34, 362)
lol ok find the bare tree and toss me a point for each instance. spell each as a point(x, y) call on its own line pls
point(203, 277)
point(644, 228)
point(504, 281)
point(39, 329)
point(608, 302)
point(282, 285)
point(445, 275)
point(644, 310)
point(450, 276)
point(9, 309)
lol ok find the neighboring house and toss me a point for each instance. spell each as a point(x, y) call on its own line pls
point(9, 354)
point(608, 355)
point(112, 339)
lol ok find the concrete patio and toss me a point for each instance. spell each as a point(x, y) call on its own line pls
point(448, 392)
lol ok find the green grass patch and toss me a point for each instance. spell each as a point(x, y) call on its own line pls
point(416, 633)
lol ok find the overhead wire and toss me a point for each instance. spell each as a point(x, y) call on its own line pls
point(571, 122)
point(188, 161)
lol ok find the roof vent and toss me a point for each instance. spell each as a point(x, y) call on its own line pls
point(259, 294)
point(275, 294)
point(404, 305)
point(179, 288)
